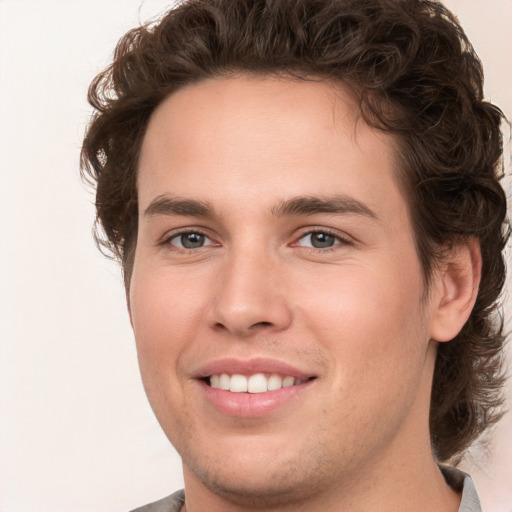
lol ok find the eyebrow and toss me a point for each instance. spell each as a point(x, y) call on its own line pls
point(312, 205)
point(165, 205)
point(302, 205)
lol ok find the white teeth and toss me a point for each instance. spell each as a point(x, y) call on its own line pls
point(288, 382)
point(256, 383)
point(275, 382)
point(238, 383)
point(224, 382)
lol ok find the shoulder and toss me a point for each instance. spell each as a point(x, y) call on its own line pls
point(461, 481)
point(172, 503)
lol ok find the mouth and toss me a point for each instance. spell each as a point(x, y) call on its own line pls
point(254, 388)
point(253, 383)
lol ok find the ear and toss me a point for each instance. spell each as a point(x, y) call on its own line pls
point(456, 288)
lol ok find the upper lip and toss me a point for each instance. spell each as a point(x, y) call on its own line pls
point(249, 367)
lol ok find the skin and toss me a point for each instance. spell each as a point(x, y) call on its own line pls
point(354, 315)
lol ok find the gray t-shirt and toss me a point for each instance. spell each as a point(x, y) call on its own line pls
point(454, 477)
point(460, 481)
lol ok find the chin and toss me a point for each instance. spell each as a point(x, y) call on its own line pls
point(261, 476)
point(257, 487)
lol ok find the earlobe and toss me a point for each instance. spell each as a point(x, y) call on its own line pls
point(457, 285)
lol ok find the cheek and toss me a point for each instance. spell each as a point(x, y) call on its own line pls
point(164, 314)
point(374, 335)
point(163, 307)
point(369, 318)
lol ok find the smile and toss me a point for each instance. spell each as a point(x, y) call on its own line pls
point(255, 383)
point(252, 388)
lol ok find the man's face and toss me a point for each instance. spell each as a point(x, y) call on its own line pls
point(275, 248)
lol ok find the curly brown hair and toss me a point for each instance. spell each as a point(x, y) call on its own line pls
point(416, 75)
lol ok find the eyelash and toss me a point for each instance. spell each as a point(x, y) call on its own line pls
point(339, 240)
point(166, 241)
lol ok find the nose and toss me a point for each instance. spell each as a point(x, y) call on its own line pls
point(251, 296)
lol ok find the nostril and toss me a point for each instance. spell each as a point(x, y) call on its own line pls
point(263, 324)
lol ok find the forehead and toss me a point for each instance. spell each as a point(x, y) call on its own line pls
point(255, 137)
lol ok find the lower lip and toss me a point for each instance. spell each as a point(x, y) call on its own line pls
point(252, 405)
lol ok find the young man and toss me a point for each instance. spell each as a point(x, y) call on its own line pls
point(304, 197)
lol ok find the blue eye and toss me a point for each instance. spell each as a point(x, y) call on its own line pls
point(190, 240)
point(319, 240)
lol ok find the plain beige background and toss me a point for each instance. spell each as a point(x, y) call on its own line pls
point(76, 433)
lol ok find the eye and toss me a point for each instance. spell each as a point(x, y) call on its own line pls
point(319, 240)
point(190, 240)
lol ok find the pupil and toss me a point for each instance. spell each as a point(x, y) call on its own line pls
point(192, 240)
point(322, 240)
